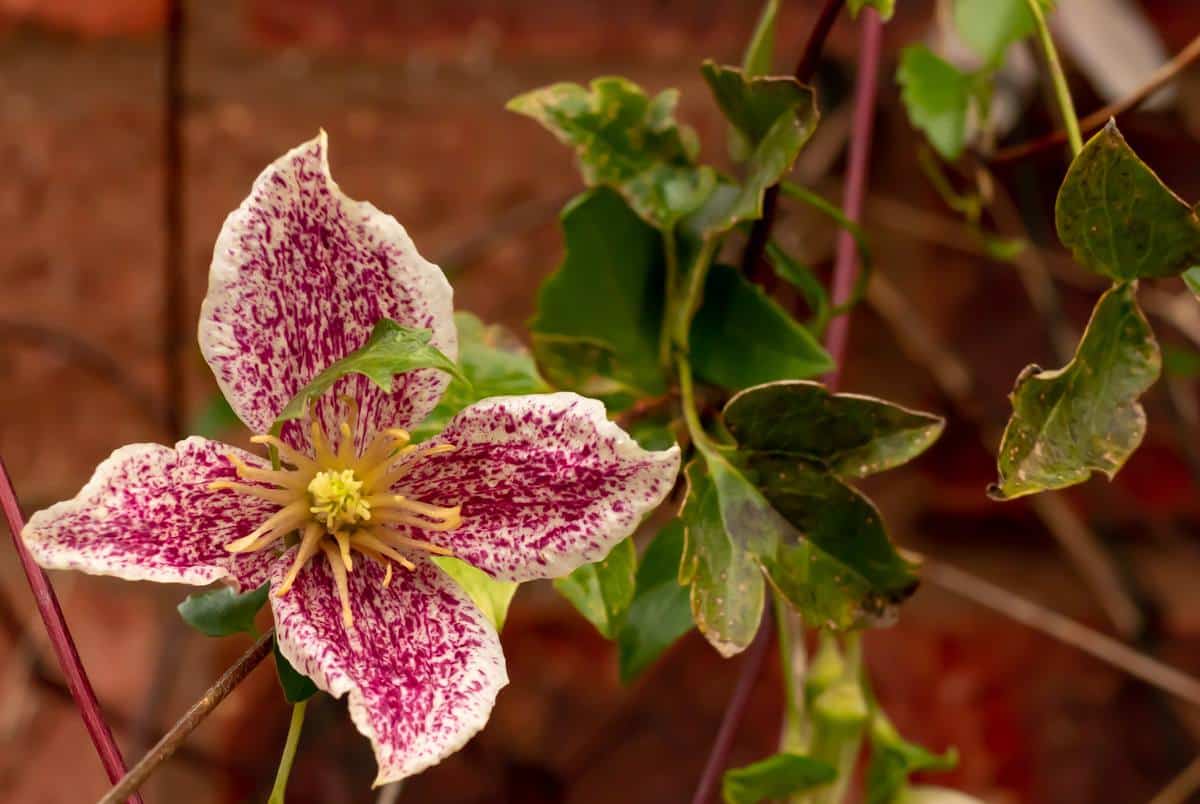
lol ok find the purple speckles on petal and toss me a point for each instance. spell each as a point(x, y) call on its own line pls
point(300, 275)
point(148, 514)
point(546, 483)
point(422, 665)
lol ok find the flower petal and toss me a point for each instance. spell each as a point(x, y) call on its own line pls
point(546, 483)
point(300, 275)
point(148, 514)
point(422, 664)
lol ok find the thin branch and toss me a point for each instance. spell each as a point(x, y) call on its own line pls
point(81, 352)
point(1181, 788)
point(173, 279)
point(753, 264)
point(194, 716)
point(1157, 80)
point(845, 271)
point(718, 755)
point(60, 639)
point(1064, 629)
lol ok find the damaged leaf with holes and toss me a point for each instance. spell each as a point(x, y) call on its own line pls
point(1085, 417)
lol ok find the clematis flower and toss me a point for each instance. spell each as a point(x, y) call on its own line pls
point(343, 530)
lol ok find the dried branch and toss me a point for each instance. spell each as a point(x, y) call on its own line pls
point(194, 716)
point(1159, 78)
point(1064, 629)
point(1181, 788)
point(60, 639)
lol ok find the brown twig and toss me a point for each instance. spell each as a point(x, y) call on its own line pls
point(1181, 788)
point(753, 264)
point(175, 736)
point(1098, 118)
point(60, 639)
point(1064, 629)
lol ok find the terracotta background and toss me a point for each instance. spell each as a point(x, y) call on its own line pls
point(412, 97)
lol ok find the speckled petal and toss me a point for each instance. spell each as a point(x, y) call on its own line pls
point(300, 274)
point(422, 665)
point(546, 483)
point(147, 514)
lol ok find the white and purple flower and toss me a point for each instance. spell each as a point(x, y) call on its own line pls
point(521, 487)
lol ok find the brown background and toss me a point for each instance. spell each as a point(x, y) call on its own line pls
point(412, 97)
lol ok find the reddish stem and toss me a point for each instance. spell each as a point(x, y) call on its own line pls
point(60, 638)
point(845, 271)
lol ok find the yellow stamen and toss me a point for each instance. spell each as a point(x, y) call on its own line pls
point(321, 452)
point(281, 496)
point(283, 521)
point(339, 578)
point(382, 548)
point(289, 455)
point(309, 543)
point(343, 543)
point(400, 540)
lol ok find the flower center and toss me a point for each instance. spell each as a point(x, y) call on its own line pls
point(340, 502)
point(337, 499)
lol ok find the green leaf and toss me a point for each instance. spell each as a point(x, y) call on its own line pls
point(660, 612)
point(741, 337)
point(989, 26)
point(626, 141)
point(851, 435)
point(836, 564)
point(757, 60)
point(937, 97)
point(1119, 219)
point(775, 117)
point(1085, 416)
point(727, 591)
point(391, 350)
point(1181, 361)
point(296, 686)
point(894, 759)
point(491, 596)
point(775, 777)
point(599, 316)
point(886, 8)
point(493, 362)
point(603, 591)
point(215, 418)
point(222, 612)
point(1191, 278)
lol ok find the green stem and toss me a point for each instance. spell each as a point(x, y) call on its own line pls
point(289, 754)
point(672, 259)
point(846, 754)
point(1062, 93)
point(693, 294)
point(687, 401)
point(794, 736)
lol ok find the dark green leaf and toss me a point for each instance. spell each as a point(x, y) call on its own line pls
point(990, 26)
point(603, 591)
point(491, 596)
point(727, 591)
point(852, 435)
point(215, 418)
point(296, 686)
point(775, 777)
point(599, 316)
point(937, 96)
point(886, 8)
point(653, 432)
point(494, 363)
point(222, 612)
point(1085, 416)
point(660, 612)
point(836, 563)
point(1119, 219)
point(741, 337)
point(776, 117)
point(626, 141)
point(391, 350)
point(894, 759)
